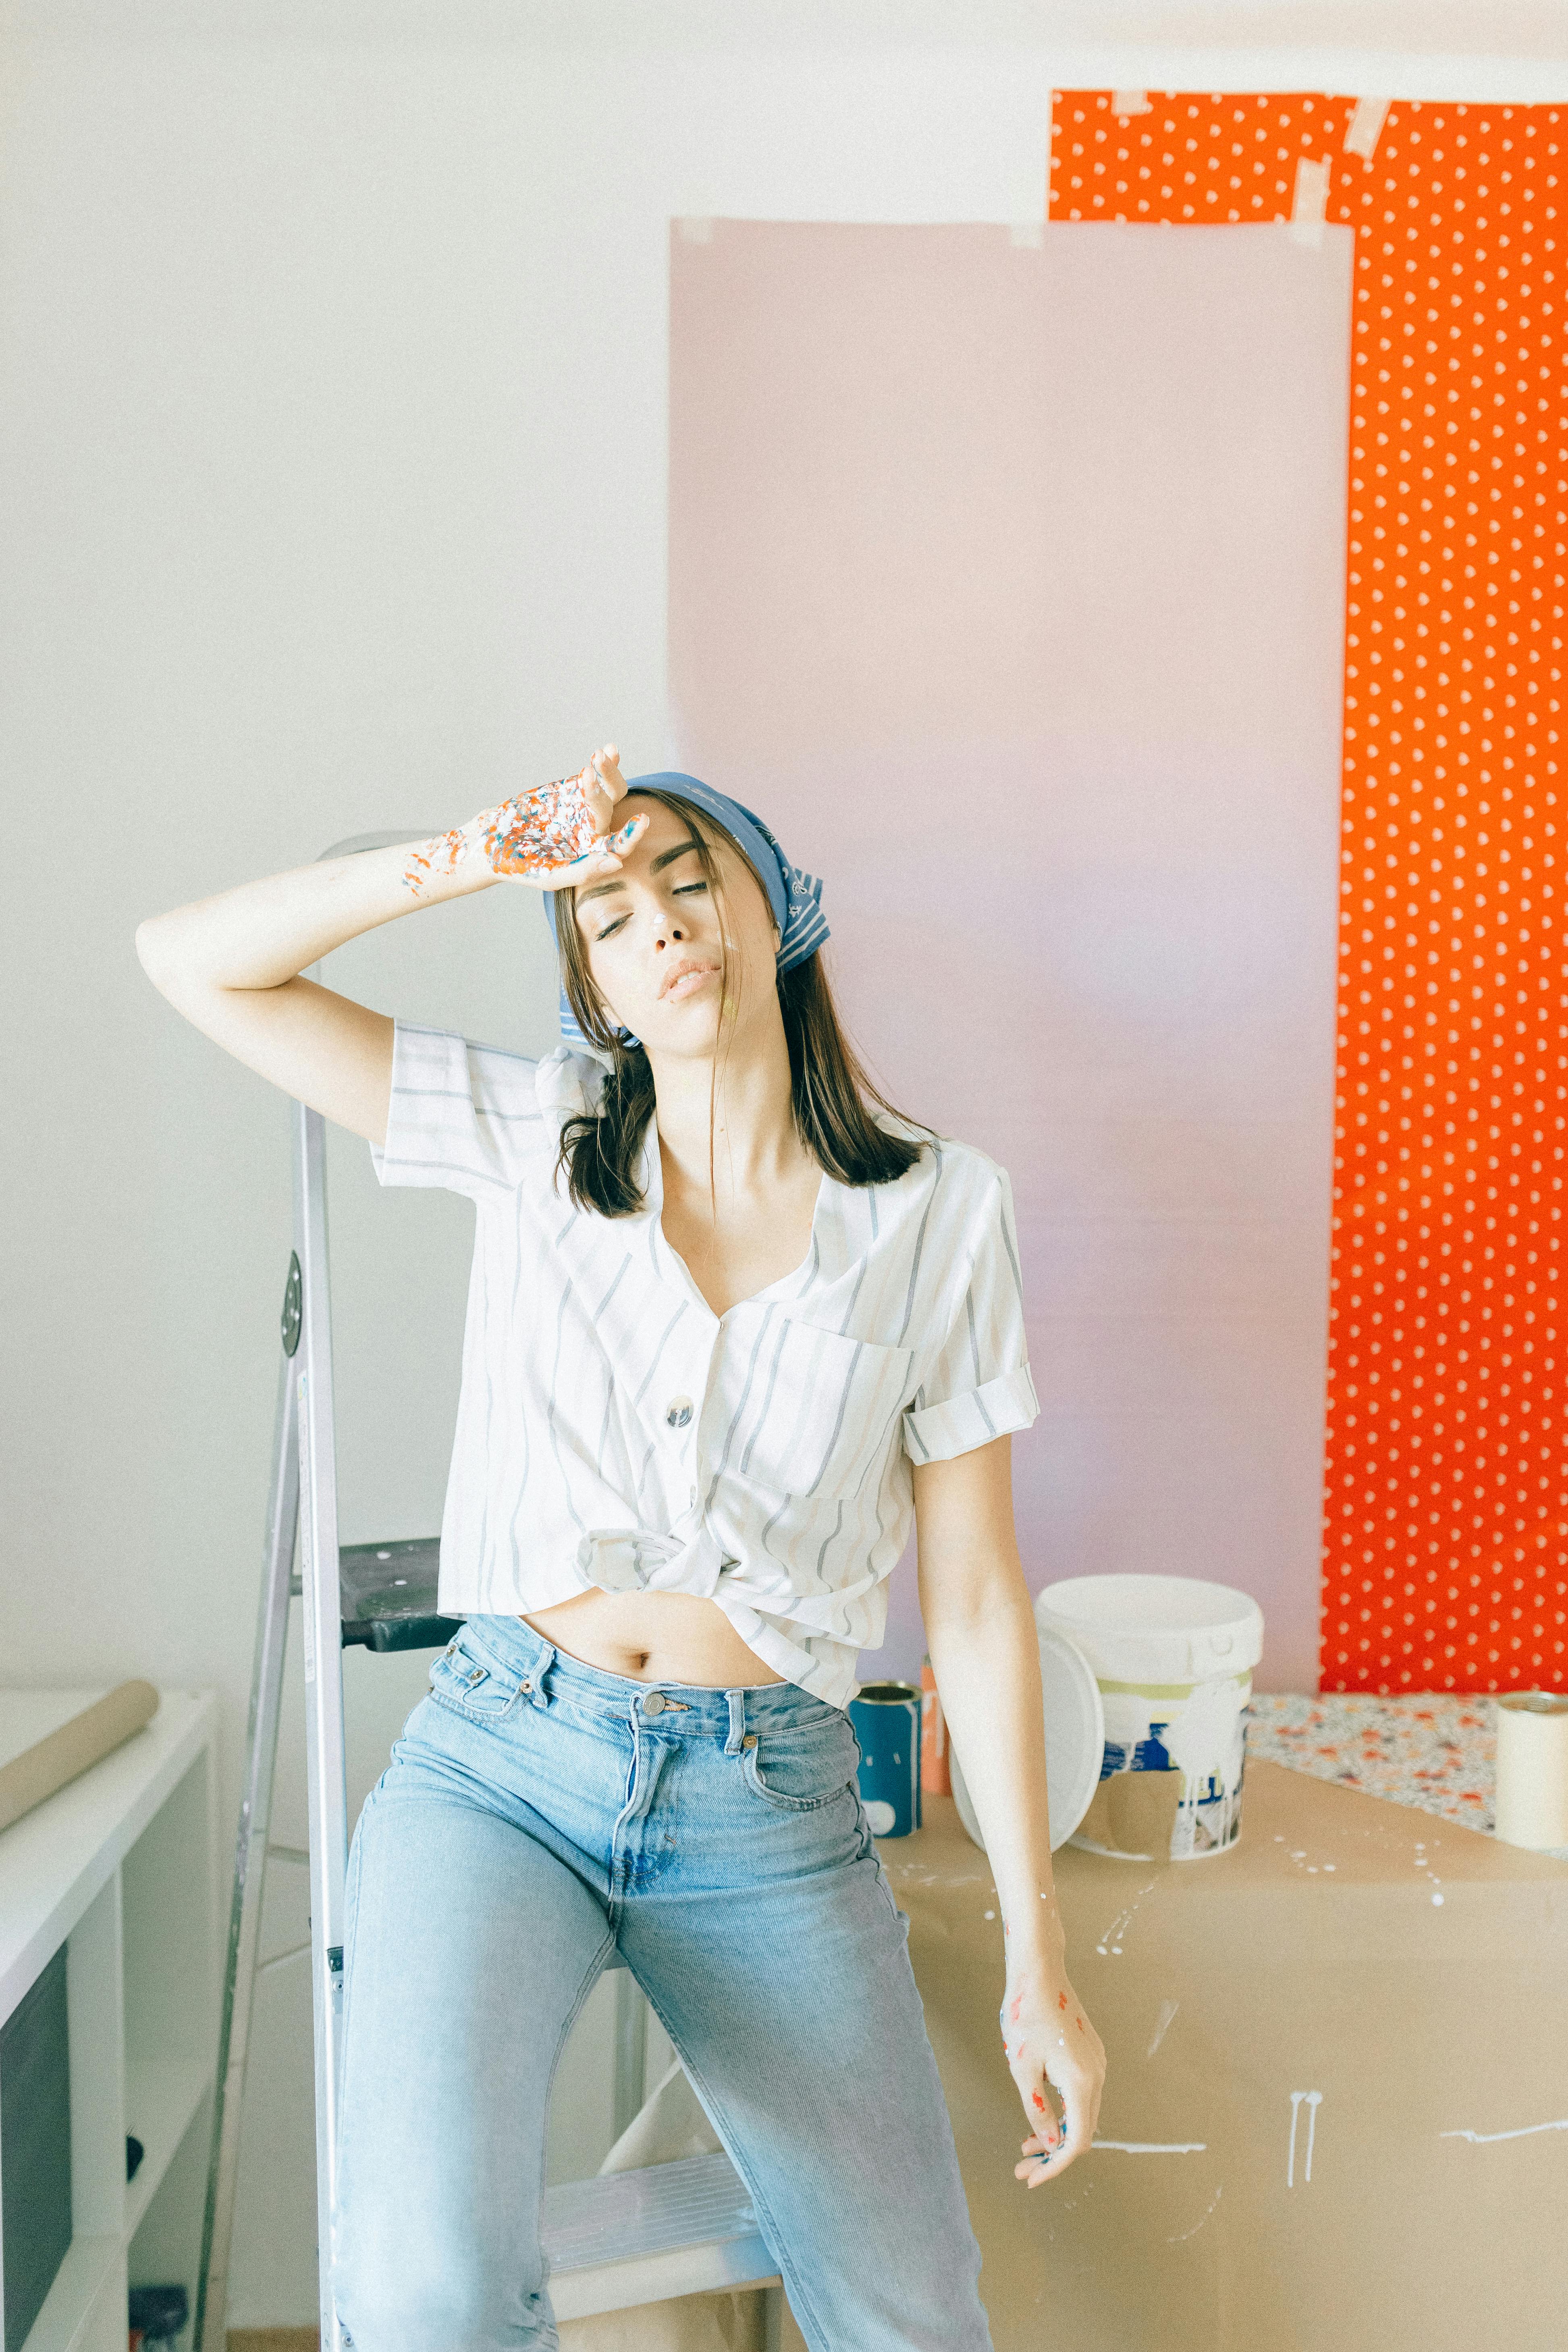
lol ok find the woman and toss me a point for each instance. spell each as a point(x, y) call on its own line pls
point(732, 1320)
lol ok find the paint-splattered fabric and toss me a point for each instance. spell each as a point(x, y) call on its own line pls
point(613, 1431)
point(1436, 1751)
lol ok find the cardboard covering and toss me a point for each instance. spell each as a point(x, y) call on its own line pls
point(1409, 1972)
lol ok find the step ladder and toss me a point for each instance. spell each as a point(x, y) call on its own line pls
point(615, 2241)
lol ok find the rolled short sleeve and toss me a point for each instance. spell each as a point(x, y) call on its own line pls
point(463, 1118)
point(977, 1386)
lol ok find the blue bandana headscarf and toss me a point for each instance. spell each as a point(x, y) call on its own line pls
point(796, 899)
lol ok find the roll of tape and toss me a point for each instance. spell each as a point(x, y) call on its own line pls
point(1532, 1769)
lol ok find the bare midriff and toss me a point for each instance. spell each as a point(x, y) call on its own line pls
point(653, 1637)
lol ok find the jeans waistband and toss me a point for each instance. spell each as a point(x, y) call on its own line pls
point(677, 1710)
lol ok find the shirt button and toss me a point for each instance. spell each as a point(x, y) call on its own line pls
point(654, 1703)
point(677, 1412)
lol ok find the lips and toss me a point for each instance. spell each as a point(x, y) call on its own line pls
point(686, 969)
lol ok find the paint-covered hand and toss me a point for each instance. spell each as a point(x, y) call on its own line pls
point(1050, 2045)
point(550, 837)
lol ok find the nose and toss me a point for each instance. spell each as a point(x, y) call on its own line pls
point(668, 934)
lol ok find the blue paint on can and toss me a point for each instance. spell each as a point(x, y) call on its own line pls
point(886, 1717)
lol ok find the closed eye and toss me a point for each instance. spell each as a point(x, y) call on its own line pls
point(610, 929)
point(687, 887)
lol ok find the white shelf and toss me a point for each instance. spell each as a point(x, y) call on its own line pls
point(55, 1858)
point(86, 2270)
point(120, 1867)
point(161, 2097)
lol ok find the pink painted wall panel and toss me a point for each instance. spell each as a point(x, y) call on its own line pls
point(1007, 583)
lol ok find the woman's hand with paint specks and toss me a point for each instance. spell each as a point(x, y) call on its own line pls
point(549, 837)
point(1050, 2045)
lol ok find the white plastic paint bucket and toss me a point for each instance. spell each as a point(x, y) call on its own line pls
point(1174, 1659)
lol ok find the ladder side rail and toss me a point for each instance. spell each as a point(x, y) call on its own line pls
point(250, 1858)
point(321, 1619)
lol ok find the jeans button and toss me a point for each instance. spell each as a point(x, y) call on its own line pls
point(525, 1685)
point(654, 1703)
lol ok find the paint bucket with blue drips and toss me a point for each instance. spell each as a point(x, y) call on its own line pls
point(1173, 1657)
point(886, 1717)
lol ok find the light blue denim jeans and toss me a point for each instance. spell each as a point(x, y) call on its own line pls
point(536, 1813)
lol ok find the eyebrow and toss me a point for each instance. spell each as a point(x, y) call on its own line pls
point(665, 857)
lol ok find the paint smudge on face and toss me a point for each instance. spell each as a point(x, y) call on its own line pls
point(549, 826)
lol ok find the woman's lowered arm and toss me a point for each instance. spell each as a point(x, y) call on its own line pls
point(983, 1648)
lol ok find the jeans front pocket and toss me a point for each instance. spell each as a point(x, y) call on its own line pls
point(802, 1766)
point(476, 1682)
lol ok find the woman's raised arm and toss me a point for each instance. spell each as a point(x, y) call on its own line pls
point(232, 964)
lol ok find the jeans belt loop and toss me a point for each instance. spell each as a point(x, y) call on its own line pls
point(540, 1696)
point(737, 1702)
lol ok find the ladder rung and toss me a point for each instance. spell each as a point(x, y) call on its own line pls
point(698, 2201)
point(388, 1595)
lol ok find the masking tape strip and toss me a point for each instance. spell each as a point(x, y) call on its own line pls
point(1365, 128)
point(1131, 101)
point(1311, 203)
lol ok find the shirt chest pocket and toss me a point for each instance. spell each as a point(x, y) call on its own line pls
point(818, 1411)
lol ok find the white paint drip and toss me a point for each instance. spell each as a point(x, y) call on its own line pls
point(1182, 2235)
point(1525, 2131)
point(1313, 2100)
point(1422, 1864)
point(1112, 1936)
point(1208, 1736)
point(1365, 128)
point(1154, 2147)
point(1162, 2023)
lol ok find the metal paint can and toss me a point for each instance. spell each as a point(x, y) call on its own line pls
point(886, 1717)
point(936, 1777)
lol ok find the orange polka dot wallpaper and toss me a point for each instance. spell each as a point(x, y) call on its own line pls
point(1445, 1515)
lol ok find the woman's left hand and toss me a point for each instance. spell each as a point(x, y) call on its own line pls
point(1050, 2041)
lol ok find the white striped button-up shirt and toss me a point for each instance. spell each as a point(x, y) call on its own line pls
point(613, 1431)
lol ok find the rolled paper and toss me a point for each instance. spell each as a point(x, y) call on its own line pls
point(1532, 1769)
point(50, 1762)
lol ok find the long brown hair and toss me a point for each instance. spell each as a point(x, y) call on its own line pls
point(831, 1094)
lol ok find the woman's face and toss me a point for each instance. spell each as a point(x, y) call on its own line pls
point(652, 944)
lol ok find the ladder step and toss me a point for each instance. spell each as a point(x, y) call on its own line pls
point(698, 2201)
point(388, 1595)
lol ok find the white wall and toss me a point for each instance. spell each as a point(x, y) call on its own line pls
point(331, 496)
